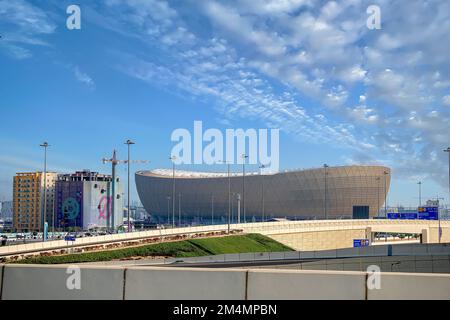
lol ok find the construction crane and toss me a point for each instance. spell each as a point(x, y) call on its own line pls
point(114, 162)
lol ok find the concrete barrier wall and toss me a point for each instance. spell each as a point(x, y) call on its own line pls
point(185, 284)
point(305, 285)
point(412, 286)
point(31, 282)
point(27, 282)
point(1, 280)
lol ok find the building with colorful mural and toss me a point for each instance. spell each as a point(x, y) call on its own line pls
point(84, 201)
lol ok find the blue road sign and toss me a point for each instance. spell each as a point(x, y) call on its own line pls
point(69, 238)
point(360, 243)
point(393, 215)
point(428, 213)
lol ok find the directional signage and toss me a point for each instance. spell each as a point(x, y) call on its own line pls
point(69, 238)
point(428, 213)
point(393, 215)
point(360, 243)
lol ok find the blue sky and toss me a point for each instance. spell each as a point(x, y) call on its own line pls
point(339, 92)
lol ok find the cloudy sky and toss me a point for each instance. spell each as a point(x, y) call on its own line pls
point(340, 92)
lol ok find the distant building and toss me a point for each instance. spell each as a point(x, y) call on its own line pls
point(6, 210)
point(83, 200)
point(356, 192)
point(28, 200)
point(432, 203)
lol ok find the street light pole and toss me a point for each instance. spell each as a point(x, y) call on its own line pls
point(325, 202)
point(129, 143)
point(262, 191)
point(168, 209)
point(448, 151)
point(212, 209)
point(378, 196)
point(385, 193)
point(179, 209)
point(173, 158)
point(420, 193)
point(229, 194)
point(45, 145)
point(244, 156)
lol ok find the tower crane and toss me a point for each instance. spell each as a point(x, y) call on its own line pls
point(114, 162)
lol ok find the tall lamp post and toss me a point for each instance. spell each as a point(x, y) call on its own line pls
point(129, 143)
point(448, 151)
point(173, 158)
point(179, 209)
point(212, 209)
point(45, 145)
point(385, 192)
point(420, 193)
point(168, 209)
point(378, 196)
point(262, 191)
point(229, 193)
point(325, 198)
point(244, 156)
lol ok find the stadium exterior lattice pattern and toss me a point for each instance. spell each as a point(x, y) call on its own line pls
point(351, 192)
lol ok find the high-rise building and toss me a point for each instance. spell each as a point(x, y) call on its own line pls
point(83, 200)
point(29, 202)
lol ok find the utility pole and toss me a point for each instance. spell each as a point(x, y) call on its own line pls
point(45, 145)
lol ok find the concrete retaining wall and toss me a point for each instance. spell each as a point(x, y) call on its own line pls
point(306, 285)
point(50, 282)
point(184, 284)
point(412, 286)
point(28, 282)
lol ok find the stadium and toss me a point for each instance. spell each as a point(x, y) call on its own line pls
point(343, 192)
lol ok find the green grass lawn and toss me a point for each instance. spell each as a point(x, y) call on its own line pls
point(179, 249)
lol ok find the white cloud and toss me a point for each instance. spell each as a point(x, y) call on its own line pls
point(23, 24)
point(322, 53)
point(83, 77)
point(446, 100)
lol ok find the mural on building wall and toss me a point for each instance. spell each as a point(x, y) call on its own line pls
point(104, 208)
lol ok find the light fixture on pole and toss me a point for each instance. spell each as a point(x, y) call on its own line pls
point(45, 145)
